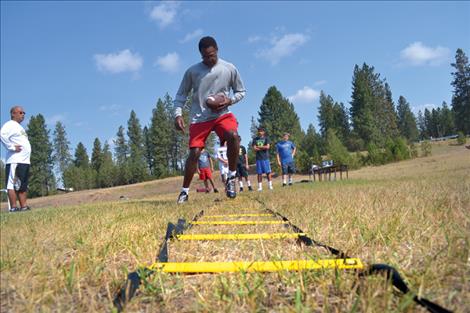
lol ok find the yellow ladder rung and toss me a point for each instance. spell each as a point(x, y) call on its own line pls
point(238, 215)
point(239, 236)
point(237, 222)
point(257, 266)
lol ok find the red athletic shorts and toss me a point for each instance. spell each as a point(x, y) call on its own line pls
point(198, 132)
point(205, 173)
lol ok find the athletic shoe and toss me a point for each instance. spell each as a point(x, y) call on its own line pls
point(230, 187)
point(260, 189)
point(250, 188)
point(11, 210)
point(183, 197)
point(26, 208)
point(271, 188)
point(241, 189)
point(290, 184)
point(283, 184)
point(215, 190)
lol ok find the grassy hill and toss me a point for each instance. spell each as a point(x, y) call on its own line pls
point(74, 254)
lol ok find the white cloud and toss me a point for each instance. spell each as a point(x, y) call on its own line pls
point(419, 54)
point(165, 13)
point(113, 109)
point(305, 95)
point(169, 63)
point(422, 107)
point(122, 61)
point(253, 39)
point(52, 120)
point(320, 82)
point(282, 47)
point(190, 36)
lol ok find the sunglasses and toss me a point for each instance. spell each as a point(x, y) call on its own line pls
point(21, 112)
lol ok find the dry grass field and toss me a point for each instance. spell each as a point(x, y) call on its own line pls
point(413, 215)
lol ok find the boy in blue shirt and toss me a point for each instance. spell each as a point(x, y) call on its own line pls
point(285, 152)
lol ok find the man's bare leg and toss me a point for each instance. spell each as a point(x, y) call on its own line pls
point(22, 195)
point(233, 147)
point(12, 197)
point(191, 166)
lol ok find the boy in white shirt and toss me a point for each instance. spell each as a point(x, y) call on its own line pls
point(223, 161)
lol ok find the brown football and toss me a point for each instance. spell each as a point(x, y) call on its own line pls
point(213, 101)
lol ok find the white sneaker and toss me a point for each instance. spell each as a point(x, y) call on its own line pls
point(260, 189)
point(271, 188)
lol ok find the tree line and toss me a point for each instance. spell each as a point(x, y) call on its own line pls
point(372, 123)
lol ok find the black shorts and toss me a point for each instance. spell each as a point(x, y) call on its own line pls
point(241, 170)
point(288, 168)
point(17, 176)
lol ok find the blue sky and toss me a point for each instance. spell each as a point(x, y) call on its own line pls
point(88, 64)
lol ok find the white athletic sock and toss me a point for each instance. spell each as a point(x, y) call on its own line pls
point(260, 186)
point(241, 184)
point(270, 183)
point(290, 180)
point(232, 174)
point(284, 181)
point(185, 190)
point(249, 184)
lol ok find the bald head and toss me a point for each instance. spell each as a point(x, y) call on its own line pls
point(17, 113)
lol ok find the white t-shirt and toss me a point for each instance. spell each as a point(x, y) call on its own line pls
point(12, 134)
point(222, 153)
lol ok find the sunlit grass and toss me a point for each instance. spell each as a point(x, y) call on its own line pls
point(414, 215)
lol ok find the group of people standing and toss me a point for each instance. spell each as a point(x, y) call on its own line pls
point(285, 152)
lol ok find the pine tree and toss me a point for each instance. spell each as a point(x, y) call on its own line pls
point(148, 150)
point(61, 151)
point(96, 155)
point(253, 128)
point(121, 149)
point(160, 136)
point(406, 120)
point(428, 122)
point(42, 180)
point(386, 114)
point(96, 162)
point(326, 114)
point(121, 153)
point(136, 148)
point(461, 93)
point(81, 156)
point(342, 123)
point(80, 175)
point(423, 133)
point(277, 115)
point(436, 129)
point(372, 110)
point(333, 115)
point(363, 105)
point(107, 174)
point(308, 152)
point(447, 120)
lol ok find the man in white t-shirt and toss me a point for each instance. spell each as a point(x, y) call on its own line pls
point(223, 161)
point(18, 153)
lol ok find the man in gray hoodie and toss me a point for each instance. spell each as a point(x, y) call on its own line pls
point(210, 83)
